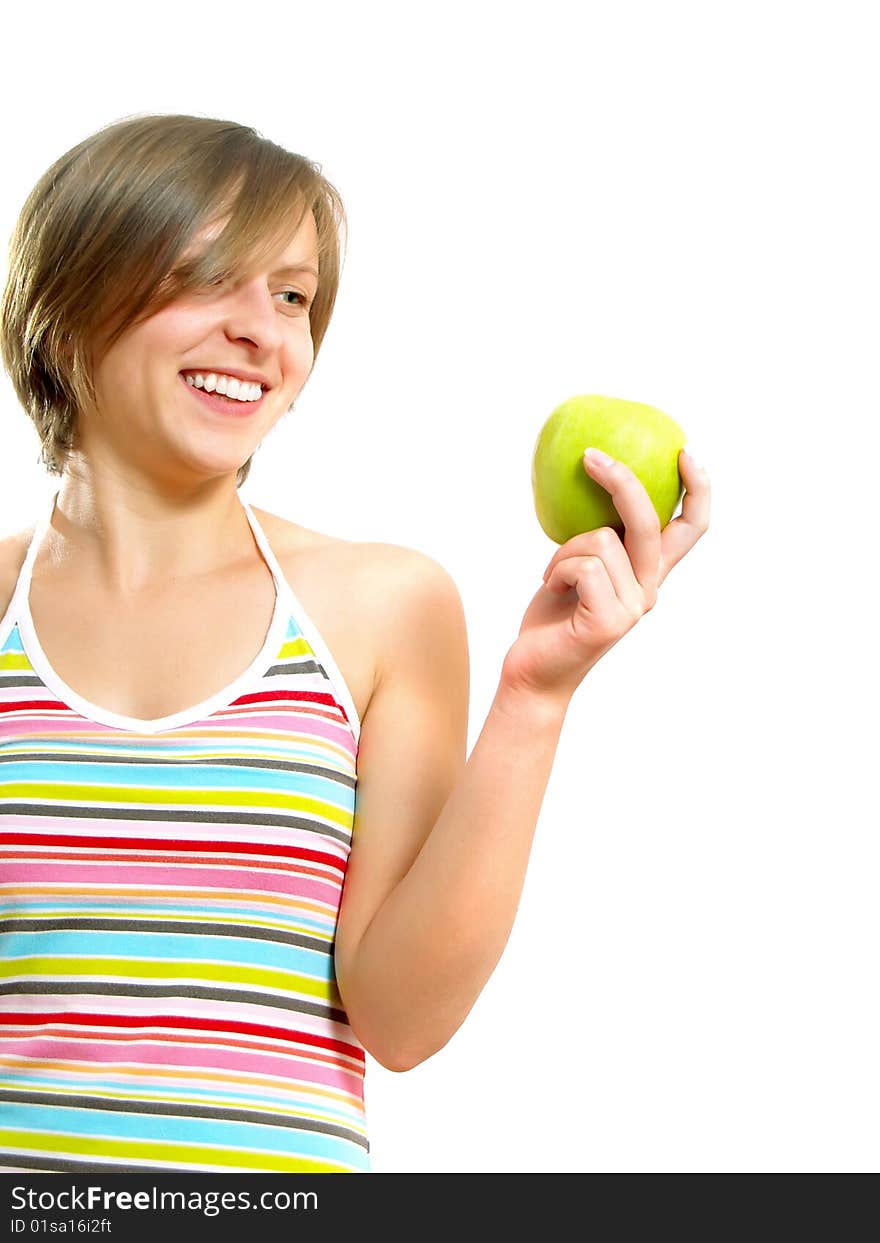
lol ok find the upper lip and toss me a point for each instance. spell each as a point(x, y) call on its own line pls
point(252, 376)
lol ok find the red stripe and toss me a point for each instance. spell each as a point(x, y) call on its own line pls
point(258, 697)
point(319, 697)
point(22, 1018)
point(159, 843)
point(41, 705)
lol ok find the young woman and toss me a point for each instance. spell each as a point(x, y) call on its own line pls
point(211, 717)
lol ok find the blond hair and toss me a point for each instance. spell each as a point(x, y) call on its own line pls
point(98, 243)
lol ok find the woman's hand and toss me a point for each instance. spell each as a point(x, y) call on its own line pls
point(596, 588)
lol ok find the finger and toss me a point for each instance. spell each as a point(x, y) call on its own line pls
point(679, 536)
point(590, 578)
point(605, 544)
point(639, 517)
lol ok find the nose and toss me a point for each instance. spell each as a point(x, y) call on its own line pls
point(250, 313)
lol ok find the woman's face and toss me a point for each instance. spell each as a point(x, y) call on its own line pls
point(149, 419)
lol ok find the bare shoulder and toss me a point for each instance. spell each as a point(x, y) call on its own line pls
point(400, 598)
point(417, 611)
point(388, 572)
point(13, 550)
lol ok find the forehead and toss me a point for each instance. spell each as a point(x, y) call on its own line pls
point(300, 247)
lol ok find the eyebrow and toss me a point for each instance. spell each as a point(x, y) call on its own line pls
point(297, 267)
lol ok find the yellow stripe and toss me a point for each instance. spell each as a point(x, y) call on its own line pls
point(296, 647)
point(14, 660)
point(186, 1154)
point(126, 968)
point(171, 797)
point(83, 735)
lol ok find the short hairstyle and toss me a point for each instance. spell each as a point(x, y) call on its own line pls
point(98, 247)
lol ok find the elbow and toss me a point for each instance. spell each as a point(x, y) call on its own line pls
point(397, 1060)
point(397, 1064)
point(402, 1060)
point(392, 1054)
point(391, 1057)
point(395, 1051)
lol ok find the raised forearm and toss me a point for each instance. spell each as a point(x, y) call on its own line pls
point(434, 942)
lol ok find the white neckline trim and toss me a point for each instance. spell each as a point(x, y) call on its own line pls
point(310, 631)
point(285, 604)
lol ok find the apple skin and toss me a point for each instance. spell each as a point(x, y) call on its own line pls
point(567, 500)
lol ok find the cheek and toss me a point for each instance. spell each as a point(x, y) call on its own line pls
point(175, 328)
point(156, 346)
point(300, 350)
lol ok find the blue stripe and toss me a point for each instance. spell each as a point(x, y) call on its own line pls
point(194, 777)
point(237, 1136)
point(167, 947)
point(282, 1101)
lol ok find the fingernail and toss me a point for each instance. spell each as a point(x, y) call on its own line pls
point(694, 461)
point(596, 455)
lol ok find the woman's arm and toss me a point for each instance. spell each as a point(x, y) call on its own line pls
point(441, 847)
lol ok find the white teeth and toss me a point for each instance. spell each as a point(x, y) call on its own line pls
point(239, 390)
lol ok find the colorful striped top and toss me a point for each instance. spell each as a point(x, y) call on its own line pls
point(169, 893)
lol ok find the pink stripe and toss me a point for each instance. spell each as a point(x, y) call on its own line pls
point(171, 878)
point(80, 1078)
point(144, 1052)
point(50, 722)
point(126, 859)
point(104, 1033)
point(313, 725)
point(244, 724)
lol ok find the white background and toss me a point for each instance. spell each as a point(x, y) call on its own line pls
point(672, 203)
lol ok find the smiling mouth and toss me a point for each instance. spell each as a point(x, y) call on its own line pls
point(231, 407)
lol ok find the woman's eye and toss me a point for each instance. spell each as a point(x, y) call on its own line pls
point(303, 300)
point(222, 278)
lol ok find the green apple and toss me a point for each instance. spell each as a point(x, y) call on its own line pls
point(567, 500)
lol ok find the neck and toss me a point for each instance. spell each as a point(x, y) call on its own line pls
point(131, 539)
